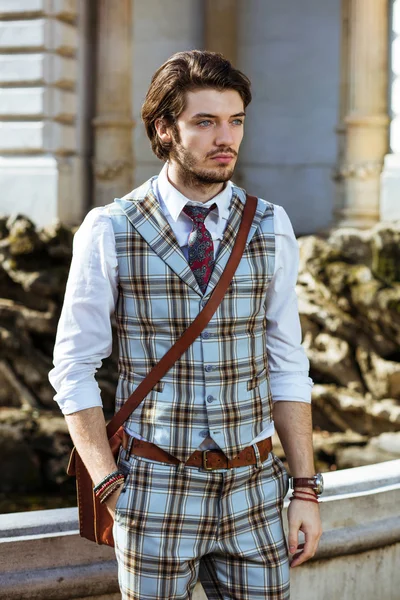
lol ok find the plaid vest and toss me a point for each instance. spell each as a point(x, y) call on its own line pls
point(220, 386)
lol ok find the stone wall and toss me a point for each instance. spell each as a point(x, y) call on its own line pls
point(349, 302)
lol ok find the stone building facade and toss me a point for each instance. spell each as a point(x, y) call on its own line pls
point(323, 130)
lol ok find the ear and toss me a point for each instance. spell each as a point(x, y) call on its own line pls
point(163, 131)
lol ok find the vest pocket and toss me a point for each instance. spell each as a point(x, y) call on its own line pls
point(261, 398)
point(256, 381)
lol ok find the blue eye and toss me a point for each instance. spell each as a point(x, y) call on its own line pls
point(204, 123)
point(238, 121)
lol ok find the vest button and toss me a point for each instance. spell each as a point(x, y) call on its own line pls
point(210, 398)
point(208, 368)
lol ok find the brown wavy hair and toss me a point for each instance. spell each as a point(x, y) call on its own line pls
point(181, 73)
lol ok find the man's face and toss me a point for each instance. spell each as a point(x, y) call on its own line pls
point(208, 137)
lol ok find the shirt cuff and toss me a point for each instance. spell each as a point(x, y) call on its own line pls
point(295, 386)
point(88, 396)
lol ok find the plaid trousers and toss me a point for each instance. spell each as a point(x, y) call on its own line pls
point(176, 524)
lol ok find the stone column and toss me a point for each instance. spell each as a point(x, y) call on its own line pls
point(364, 106)
point(390, 201)
point(220, 28)
point(343, 96)
point(113, 123)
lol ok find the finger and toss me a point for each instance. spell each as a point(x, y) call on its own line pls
point(309, 549)
point(299, 549)
point(293, 537)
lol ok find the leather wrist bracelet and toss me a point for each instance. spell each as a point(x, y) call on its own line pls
point(297, 496)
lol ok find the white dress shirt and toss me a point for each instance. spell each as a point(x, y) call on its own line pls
point(84, 333)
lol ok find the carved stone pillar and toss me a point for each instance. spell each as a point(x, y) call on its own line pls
point(113, 123)
point(364, 112)
point(390, 201)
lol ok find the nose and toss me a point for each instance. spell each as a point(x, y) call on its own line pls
point(224, 135)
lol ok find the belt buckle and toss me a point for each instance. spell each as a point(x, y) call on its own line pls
point(205, 461)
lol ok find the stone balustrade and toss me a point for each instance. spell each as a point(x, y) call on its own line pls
point(43, 557)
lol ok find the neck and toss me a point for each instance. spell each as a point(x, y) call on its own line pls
point(190, 188)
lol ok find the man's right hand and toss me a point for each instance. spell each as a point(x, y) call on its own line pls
point(112, 500)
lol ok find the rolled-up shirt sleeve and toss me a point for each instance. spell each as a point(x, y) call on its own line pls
point(84, 332)
point(288, 362)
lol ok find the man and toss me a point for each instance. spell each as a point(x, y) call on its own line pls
point(154, 258)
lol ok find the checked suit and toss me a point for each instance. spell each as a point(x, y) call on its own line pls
point(175, 524)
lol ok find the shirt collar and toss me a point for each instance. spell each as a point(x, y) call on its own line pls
point(175, 201)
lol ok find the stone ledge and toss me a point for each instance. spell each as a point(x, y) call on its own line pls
point(61, 583)
point(352, 540)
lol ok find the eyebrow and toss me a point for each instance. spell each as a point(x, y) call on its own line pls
point(209, 116)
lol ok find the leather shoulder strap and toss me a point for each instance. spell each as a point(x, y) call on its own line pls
point(195, 328)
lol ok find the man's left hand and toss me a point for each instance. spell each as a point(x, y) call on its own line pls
point(303, 516)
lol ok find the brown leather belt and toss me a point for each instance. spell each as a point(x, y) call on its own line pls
point(207, 459)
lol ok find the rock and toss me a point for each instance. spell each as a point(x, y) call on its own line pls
point(58, 240)
point(340, 409)
point(28, 319)
point(332, 360)
point(388, 442)
point(3, 227)
point(385, 415)
point(386, 252)
point(315, 255)
point(379, 449)
point(34, 451)
point(382, 377)
point(354, 245)
point(19, 466)
point(22, 236)
point(52, 441)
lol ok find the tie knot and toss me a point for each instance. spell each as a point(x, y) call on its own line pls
point(198, 213)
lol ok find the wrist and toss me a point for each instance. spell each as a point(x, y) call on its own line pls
point(315, 483)
point(304, 496)
point(108, 485)
point(110, 499)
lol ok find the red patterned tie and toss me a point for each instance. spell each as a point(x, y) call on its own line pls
point(201, 246)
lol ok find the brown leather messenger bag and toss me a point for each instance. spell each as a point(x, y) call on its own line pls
point(95, 522)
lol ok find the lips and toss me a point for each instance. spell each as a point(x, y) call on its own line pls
point(223, 158)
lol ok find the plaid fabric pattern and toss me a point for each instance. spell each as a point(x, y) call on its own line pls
point(220, 386)
point(174, 525)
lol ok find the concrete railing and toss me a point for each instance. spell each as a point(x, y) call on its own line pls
point(42, 556)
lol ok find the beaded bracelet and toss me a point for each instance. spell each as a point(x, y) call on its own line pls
point(106, 479)
point(107, 490)
point(108, 483)
point(110, 490)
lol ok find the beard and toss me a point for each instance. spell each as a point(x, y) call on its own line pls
point(197, 177)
